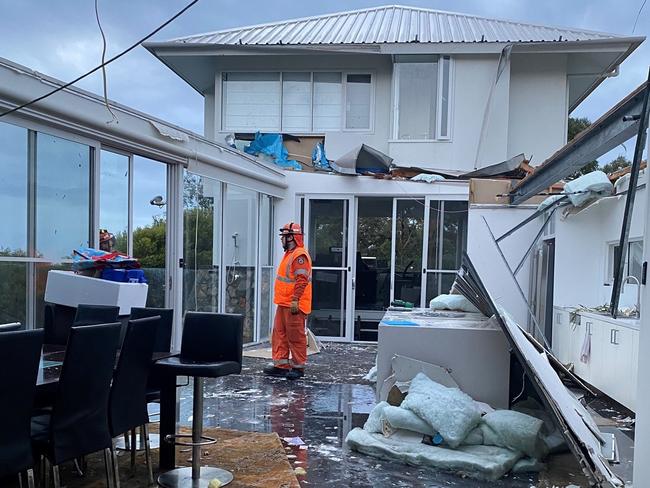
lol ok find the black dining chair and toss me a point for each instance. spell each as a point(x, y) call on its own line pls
point(78, 422)
point(57, 321)
point(20, 354)
point(162, 344)
point(127, 406)
point(211, 346)
point(95, 314)
point(12, 327)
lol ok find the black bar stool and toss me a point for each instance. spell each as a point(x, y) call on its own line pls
point(212, 346)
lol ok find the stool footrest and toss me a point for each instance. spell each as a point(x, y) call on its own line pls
point(206, 441)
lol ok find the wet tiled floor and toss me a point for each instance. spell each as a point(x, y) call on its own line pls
point(334, 398)
point(320, 409)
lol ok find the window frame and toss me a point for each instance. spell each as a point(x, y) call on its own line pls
point(312, 131)
point(438, 137)
point(611, 246)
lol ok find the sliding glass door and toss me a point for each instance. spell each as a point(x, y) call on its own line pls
point(330, 243)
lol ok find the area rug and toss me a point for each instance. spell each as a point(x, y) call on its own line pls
point(256, 460)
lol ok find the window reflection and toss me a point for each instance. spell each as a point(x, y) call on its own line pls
point(13, 174)
point(114, 198)
point(240, 249)
point(62, 196)
point(201, 243)
point(150, 224)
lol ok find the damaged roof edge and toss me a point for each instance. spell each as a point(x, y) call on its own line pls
point(604, 134)
point(577, 425)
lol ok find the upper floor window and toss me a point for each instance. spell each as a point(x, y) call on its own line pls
point(422, 97)
point(300, 102)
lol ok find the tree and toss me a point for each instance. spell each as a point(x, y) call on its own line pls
point(575, 127)
point(619, 163)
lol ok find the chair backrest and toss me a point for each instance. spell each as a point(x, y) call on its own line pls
point(57, 322)
point(212, 337)
point(20, 353)
point(127, 406)
point(95, 314)
point(79, 422)
point(12, 327)
point(163, 341)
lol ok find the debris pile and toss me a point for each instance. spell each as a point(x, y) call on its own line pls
point(445, 428)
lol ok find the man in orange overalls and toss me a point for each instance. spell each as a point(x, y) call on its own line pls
point(293, 297)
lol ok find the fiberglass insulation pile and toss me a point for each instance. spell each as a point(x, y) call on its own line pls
point(467, 442)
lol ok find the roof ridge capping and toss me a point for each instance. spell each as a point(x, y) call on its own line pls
point(322, 17)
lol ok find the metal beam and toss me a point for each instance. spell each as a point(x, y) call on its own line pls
point(629, 203)
point(614, 128)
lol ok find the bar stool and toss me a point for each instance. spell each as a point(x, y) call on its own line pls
point(211, 346)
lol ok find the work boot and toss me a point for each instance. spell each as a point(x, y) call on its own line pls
point(295, 374)
point(275, 371)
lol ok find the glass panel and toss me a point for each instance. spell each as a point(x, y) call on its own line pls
point(454, 240)
point(417, 100)
point(40, 273)
point(13, 174)
point(266, 291)
point(240, 255)
point(373, 264)
point(635, 260)
point(150, 224)
point(114, 198)
point(435, 217)
point(328, 303)
point(251, 101)
point(438, 284)
point(327, 101)
point(201, 243)
point(328, 233)
point(358, 91)
point(13, 292)
point(444, 98)
point(296, 102)
point(408, 250)
point(267, 240)
point(373, 261)
point(62, 196)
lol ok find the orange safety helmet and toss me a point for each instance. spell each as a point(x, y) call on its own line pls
point(291, 229)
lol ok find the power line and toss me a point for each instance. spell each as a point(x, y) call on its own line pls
point(638, 14)
point(114, 58)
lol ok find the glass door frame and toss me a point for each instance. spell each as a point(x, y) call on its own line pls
point(347, 315)
point(440, 236)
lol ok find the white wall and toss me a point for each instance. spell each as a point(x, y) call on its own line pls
point(581, 251)
point(535, 89)
point(538, 106)
point(489, 264)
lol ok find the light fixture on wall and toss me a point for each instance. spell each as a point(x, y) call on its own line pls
point(158, 201)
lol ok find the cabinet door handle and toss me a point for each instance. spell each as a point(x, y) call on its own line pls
point(616, 336)
point(613, 339)
point(588, 324)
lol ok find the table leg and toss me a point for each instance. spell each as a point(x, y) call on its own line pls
point(167, 421)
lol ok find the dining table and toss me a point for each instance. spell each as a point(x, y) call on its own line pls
point(49, 371)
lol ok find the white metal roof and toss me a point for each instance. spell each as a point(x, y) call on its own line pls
point(390, 24)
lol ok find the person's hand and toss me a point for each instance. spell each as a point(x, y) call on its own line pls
point(294, 307)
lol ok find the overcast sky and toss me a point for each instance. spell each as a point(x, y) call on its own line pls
point(61, 39)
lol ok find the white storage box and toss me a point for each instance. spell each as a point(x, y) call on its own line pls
point(472, 349)
point(68, 288)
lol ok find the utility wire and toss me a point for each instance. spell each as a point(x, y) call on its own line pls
point(99, 23)
point(638, 14)
point(114, 58)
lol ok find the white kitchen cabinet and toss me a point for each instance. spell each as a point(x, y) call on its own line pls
point(561, 334)
point(613, 363)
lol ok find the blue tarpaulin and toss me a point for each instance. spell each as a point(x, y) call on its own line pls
point(271, 145)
